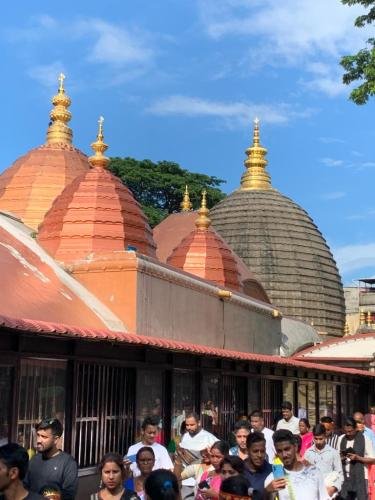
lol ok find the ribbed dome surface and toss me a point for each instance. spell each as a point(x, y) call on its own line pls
point(286, 251)
point(29, 186)
point(95, 213)
point(205, 254)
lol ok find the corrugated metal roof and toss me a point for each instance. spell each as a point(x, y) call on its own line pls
point(93, 334)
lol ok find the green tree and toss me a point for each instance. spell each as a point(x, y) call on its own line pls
point(361, 66)
point(159, 187)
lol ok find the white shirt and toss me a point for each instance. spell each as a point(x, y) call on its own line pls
point(305, 484)
point(291, 425)
point(199, 441)
point(270, 447)
point(162, 458)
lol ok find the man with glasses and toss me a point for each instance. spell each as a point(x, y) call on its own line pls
point(51, 465)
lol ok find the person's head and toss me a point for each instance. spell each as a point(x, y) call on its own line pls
point(234, 488)
point(192, 423)
point(350, 428)
point(217, 452)
point(149, 430)
point(241, 431)
point(51, 492)
point(328, 424)
point(48, 433)
point(145, 459)
point(304, 426)
point(14, 461)
point(360, 420)
point(286, 447)
point(231, 466)
point(372, 409)
point(112, 471)
point(256, 449)
point(206, 458)
point(161, 484)
point(286, 410)
point(257, 420)
point(320, 438)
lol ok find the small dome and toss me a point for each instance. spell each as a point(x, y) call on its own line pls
point(96, 213)
point(280, 243)
point(205, 254)
point(29, 186)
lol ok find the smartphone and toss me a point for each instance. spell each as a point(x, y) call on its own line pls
point(203, 485)
point(278, 471)
point(130, 458)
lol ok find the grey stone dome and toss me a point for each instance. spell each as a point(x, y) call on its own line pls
point(285, 250)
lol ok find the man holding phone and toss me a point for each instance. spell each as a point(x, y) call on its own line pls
point(356, 452)
point(300, 482)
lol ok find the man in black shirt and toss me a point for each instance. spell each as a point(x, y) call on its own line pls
point(13, 466)
point(50, 464)
point(257, 467)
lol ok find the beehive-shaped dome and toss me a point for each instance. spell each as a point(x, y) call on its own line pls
point(280, 243)
point(29, 186)
point(205, 254)
point(95, 214)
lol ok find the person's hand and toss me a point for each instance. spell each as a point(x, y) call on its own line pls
point(353, 457)
point(331, 490)
point(209, 493)
point(276, 485)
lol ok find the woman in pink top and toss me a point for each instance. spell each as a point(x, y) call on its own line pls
point(306, 435)
point(210, 482)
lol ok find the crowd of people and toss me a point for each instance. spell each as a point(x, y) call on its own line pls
point(294, 462)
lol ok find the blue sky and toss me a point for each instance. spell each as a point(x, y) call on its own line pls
point(182, 80)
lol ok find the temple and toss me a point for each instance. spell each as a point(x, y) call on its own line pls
point(103, 321)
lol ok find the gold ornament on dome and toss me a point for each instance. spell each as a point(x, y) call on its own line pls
point(346, 329)
point(256, 176)
point(369, 318)
point(58, 131)
point(203, 222)
point(362, 317)
point(99, 147)
point(186, 204)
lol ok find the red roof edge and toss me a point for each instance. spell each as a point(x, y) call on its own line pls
point(338, 340)
point(94, 334)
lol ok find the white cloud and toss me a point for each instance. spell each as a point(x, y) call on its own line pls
point(331, 140)
point(350, 258)
point(239, 113)
point(46, 74)
point(332, 162)
point(112, 44)
point(334, 195)
point(294, 32)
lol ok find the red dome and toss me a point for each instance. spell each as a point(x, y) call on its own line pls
point(29, 186)
point(96, 213)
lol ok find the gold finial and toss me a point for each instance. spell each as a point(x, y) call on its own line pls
point(99, 147)
point(346, 329)
point(369, 318)
point(58, 130)
point(362, 317)
point(203, 222)
point(186, 204)
point(256, 176)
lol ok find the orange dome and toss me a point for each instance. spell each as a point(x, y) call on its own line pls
point(96, 213)
point(29, 186)
point(205, 254)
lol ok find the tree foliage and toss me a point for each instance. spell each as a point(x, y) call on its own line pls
point(159, 187)
point(361, 66)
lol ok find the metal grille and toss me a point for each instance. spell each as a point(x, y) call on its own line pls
point(41, 395)
point(104, 409)
point(232, 403)
point(271, 399)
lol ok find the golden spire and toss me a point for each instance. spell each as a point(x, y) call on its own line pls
point(186, 204)
point(99, 147)
point(256, 176)
point(346, 329)
point(369, 318)
point(203, 222)
point(362, 317)
point(58, 130)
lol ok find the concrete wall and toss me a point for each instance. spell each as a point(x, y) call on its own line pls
point(173, 304)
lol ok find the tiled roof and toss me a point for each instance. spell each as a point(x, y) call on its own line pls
point(62, 330)
point(309, 352)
